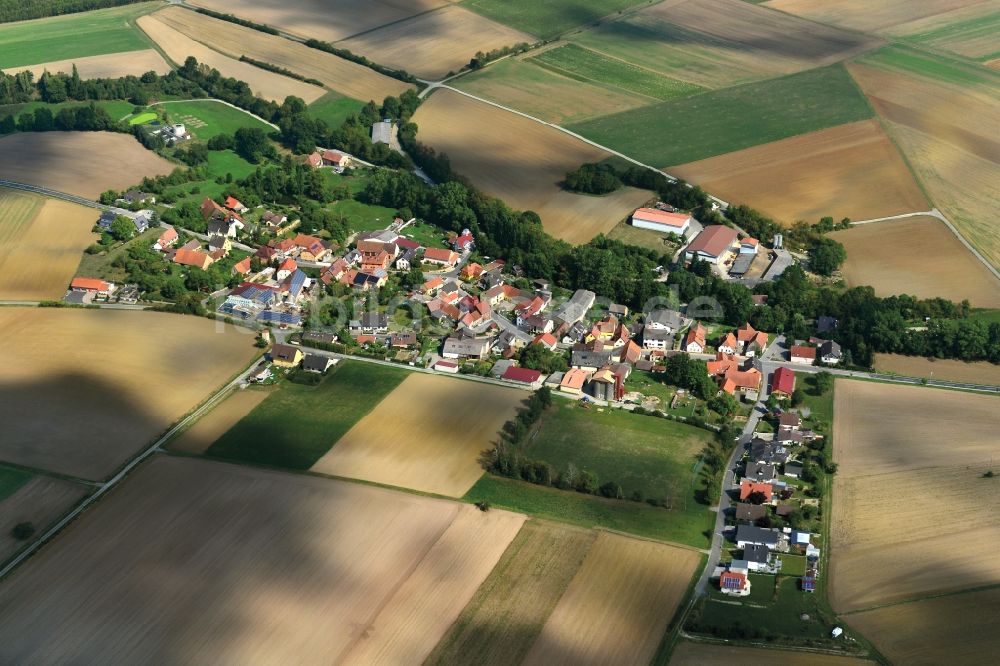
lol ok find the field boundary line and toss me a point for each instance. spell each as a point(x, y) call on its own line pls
point(928, 597)
point(111, 483)
point(632, 160)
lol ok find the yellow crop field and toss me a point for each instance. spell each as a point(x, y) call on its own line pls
point(948, 133)
point(250, 566)
point(432, 44)
point(85, 389)
point(263, 83)
point(329, 20)
point(688, 653)
point(503, 619)
point(427, 435)
point(958, 630)
point(851, 170)
point(41, 241)
point(80, 163)
point(618, 606)
point(919, 256)
point(344, 76)
point(908, 488)
point(522, 162)
point(981, 372)
point(112, 65)
point(217, 422)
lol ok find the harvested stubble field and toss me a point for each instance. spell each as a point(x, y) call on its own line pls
point(434, 43)
point(263, 83)
point(552, 17)
point(120, 378)
point(969, 31)
point(250, 566)
point(213, 425)
point(981, 372)
point(525, 173)
point(100, 161)
point(958, 630)
point(507, 613)
point(618, 605)
point(851, 170)
point(41, 241)
point(909, 487)
point(944, 119)
point(865, 15)
point(720, 43)
point(114, 65)
point(40, 502)
point(688, 653)
point(428, 435)
point(346, 77)
point(329, 20)
point(545, 94)
point(919, 256)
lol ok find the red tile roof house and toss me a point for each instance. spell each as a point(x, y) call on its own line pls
point(92, 285)
point(751, 340)
point(694, 341)
point(314, 160)
point(522, 376)
point(234, 204)
point(713, 244)
point(748, 488)
point(440, 257)
point(661, 220)
point(166, 239)
point(803, 355)
point(463, 242)
point(783, 383)
point(547, 340)
point(335, 158)
point(736, 584)
point(310, 247)
point(242, 267)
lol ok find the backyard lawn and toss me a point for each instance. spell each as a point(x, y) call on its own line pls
point(297, 424)
point(205, 118)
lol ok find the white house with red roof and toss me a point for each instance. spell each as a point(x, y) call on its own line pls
point(286, 268)
point(440, 257)
point(166, 239)
point(661, 221)
point(92, 286)
point(714, 244)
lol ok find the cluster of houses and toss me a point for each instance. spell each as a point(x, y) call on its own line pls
point(766, 488)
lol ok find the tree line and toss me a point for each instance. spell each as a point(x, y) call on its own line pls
point(19, 10)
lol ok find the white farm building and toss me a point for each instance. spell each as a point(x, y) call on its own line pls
point(661, 220)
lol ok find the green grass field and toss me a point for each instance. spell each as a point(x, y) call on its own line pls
point(934, 66)
point(577, 62)
point(142, 118)
point(651, 455)
point(11, 480)
point(426, 234)
point(722, 121)
point(334, 109)
point(217, 118)
point(590, 511)
point(364, 217)
point(550, 18)
point(103, 265)
point(297, 424)
point(220, 162)
point(73, 36)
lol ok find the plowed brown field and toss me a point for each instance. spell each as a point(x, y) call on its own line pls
point(329, 20)
point(40, 502)
point(427, 435)
point(432, 44)
point(249, 566)
point(908, 489)
point(703, 654)
point(82, 390)
point(344, 76)
point(618, 605)
point(850, 171)
point(883, 15)
point(522, 162)
point(919, 256)
point(80, 163)
point(981, 372)
point(263, 83)
point(958, 630)
point(217, 422)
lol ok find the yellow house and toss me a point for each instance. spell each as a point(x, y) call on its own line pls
point(286, 356)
